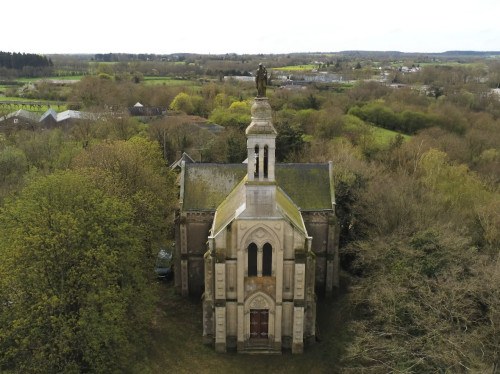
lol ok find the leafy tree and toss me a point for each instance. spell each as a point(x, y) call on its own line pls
point(47, 150)
point(236, 146)
point(237, 115)
point(182, 103)
point(289, 141)
point(13, 164)
point(134, 171)
point(73, 294)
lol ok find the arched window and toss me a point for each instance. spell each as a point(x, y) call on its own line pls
point(266, 160)
point(256, 174)
point(267, 260)
point(252, 260)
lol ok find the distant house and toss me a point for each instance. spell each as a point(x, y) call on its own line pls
point(23, 119)
point(20, 119)
point(49, 119)
point(241, 78)
point(139, 110)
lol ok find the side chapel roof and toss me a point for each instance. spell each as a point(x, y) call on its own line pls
point(205, 186)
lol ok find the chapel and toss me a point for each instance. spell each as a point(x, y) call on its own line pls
point(257, 240)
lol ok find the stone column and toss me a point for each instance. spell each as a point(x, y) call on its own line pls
point(240, 287)
point(261, 162)
point(298, 330)
point(259, 262)
point(184, 278)
point(220, 329)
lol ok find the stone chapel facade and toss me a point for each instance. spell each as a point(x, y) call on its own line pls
point(256, 255)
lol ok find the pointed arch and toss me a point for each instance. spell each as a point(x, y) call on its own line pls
point(252, 260)
point(261, 234)
point(267, 260)
point(259, 301)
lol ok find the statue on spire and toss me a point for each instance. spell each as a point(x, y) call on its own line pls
point(261, 81)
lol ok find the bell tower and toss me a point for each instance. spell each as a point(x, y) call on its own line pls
point(261, 147)
point(261, 143)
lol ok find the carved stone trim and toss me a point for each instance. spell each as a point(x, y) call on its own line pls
point(259, 303)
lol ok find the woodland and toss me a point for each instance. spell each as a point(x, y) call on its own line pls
point(415, 143)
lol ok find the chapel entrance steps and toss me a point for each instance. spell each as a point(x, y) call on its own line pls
point(259, 347)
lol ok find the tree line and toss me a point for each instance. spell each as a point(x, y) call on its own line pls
point(18, 61)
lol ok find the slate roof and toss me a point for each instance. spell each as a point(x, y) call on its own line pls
point(234, 205)
point(205, 186)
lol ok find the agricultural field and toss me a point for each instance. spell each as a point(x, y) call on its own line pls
point(302, 68)
point(153, 80)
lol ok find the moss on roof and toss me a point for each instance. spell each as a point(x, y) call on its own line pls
point(207, 185)
point(227, 210)
point(290, 210)
point(308, 185)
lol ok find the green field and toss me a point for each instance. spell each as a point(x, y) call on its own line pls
point(38, 106)
point(168, 81)
point(383, 137)
point(63, 77)
point(297, 68)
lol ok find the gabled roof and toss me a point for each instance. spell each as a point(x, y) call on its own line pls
point(185, 157)
point(309, 186)
point(21, 113)
point(49, 113)
point(234, 205)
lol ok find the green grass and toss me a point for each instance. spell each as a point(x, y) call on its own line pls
point(297, 67)
point(383, 137)
point(35, 108)
point(63, 77)
point(168, 81)
point(177, 346)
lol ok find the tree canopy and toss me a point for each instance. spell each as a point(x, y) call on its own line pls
point(73, 295)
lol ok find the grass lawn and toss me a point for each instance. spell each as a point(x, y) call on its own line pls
point(297, 67)
point(177, 345)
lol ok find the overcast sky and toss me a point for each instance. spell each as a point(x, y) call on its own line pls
point(235, 26)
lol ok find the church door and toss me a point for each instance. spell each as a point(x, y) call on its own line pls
point(259, 322)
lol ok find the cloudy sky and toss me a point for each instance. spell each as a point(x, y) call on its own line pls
point(235, 26)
